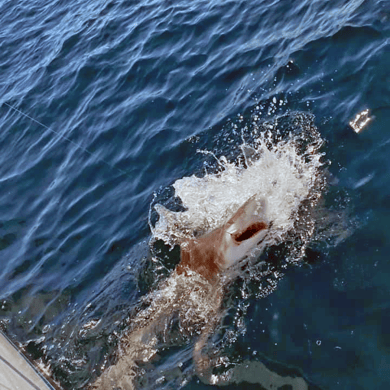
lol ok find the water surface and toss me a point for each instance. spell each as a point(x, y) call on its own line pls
point(122, 95)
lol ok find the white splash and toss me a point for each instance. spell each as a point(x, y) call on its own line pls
point(278, 170)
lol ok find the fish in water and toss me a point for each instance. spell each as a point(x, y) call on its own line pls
point(203, 262)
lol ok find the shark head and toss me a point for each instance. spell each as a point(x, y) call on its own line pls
point(218, 250)
point(246, 229)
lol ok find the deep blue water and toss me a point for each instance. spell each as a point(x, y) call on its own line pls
point(125, 92)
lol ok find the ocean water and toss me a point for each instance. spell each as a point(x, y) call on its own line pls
point(108, 108)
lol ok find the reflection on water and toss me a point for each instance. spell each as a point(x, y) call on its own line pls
point(360, 121)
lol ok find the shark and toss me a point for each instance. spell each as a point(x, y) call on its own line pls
point(203, 262)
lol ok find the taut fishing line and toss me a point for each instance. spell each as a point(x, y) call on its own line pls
point(67, 139)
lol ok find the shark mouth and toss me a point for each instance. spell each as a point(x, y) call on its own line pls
point(249, 232)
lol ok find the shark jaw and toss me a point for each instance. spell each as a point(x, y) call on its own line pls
point(216, 251)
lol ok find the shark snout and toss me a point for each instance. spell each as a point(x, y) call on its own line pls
point(245, 230)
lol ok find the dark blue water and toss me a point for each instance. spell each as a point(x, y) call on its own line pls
point(126, 92)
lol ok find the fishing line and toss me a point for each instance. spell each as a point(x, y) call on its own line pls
point(68, 139)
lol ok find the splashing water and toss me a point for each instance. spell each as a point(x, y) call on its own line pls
point(283, 169)
point(282, 166)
